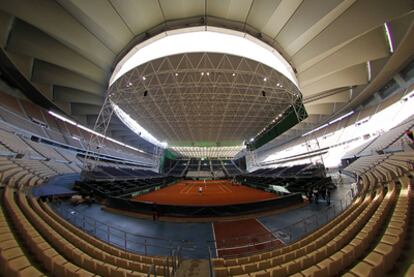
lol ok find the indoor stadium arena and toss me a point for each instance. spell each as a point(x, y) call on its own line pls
point(206, 138)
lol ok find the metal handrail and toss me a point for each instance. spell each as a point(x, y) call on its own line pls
point(299, 221)
point(152, 270)
point(210, 264)
point(117, 236)
point(125, 240)
point(286, 234)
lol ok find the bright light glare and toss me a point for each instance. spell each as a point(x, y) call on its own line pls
point(210, 152)
point(387, 28)
point(191, 40)
point(62, 118)
point(65, 119)
point(136, 128)
point(342, 141)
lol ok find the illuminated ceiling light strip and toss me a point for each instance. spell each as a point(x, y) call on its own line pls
point(314, 130)
point(369, 71)
point(341, 117)
point(65, 119)
point(388, 33)
point(62, 118)
point(329, 123)
point(136, 128)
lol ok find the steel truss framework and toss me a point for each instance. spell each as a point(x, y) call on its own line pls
point(204, 99)
point(98, 138)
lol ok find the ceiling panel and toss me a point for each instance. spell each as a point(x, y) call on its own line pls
point(140, 15)
point(101, 19)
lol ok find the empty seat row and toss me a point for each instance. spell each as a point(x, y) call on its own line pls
point(15, 120)
point(100, 244)
point(314, 248)
point(351, 251)
point(42, 251)
point(16, 176)
point(80, 257)
point(96, 254)
point(382, 258)
point(220, 262)
point(13, 259)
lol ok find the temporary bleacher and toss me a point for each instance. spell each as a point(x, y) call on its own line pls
point(107, 171)
point(297, 178)
point(230, 168)
point(179, 168)
point(124, 188)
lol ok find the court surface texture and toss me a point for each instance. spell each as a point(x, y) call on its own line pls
point(243, 236)
point(214, 193)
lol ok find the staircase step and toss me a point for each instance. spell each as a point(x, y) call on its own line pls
point(193, 268)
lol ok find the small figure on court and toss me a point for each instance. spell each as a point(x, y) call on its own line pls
point(200, 190)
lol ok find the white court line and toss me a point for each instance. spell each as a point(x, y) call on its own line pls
point(214, 237)
point(183, 189)
point(190, 187)
point(267, 229)
point(221, 188)
point(228, 189)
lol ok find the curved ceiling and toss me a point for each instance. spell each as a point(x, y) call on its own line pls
point(204, 99)
point(67, 49)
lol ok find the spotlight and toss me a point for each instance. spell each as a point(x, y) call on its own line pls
point(234, 74)
point(265, 79)
point(208, 73)
point(176, 74)
point(144, 78)
point(202, 73)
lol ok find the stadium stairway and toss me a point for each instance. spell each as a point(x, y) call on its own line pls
point(193, 268)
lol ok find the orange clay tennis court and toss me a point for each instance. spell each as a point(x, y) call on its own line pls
point(214, 192)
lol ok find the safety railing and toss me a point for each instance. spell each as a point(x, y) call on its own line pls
point(236, 246)
point(210, 264)
point(270, 239)
point(146, 245)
